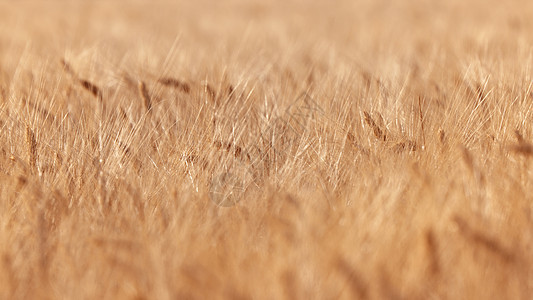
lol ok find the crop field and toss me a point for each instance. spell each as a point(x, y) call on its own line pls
point(266, 149)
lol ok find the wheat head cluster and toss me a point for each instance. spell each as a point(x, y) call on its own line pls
point(266, 149)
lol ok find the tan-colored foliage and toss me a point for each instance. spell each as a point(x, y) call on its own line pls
point(266, 149)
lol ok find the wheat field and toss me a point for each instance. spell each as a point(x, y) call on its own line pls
point(266, 149)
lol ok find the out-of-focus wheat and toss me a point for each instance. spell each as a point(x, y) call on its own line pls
point(270, 150)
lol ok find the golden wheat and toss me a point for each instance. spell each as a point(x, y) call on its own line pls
point(266, 150)
point(31, 146)
point(143, 92)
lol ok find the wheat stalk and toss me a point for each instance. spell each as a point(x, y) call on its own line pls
point(86, 84)
point(175, 83)
point(31, 147)
point(143, 93)
point(378, 132)
point(484, 241)
point(432, 252)
point(357, 285)
point(421, 116)
point(210, 91)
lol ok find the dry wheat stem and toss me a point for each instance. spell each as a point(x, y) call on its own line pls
point(31, 147)
point(143, 93)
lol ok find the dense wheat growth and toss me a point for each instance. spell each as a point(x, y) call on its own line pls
point(266, 149)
